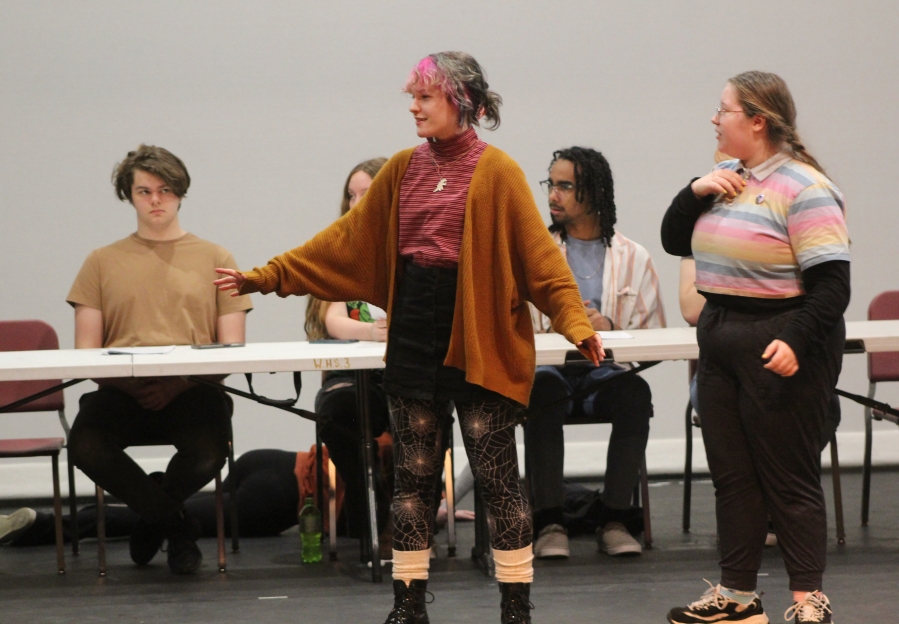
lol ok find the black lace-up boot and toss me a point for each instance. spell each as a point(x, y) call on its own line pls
point(516, 606)
point(409, 603)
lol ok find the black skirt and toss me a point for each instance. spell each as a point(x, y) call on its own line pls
point(420, 328)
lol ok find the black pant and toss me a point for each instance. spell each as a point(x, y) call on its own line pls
point(263, 481)
point(624, 400)
point(335, 405)
point(762, 435)
point(196, 422)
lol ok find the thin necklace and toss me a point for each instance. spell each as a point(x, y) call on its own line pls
point(442, 183)
point(592, 275)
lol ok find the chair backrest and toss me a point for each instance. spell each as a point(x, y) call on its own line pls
point(884, 366)
point(29, 336)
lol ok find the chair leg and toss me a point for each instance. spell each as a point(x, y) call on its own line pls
point(688, 468)
point(73, 510)
point(220, 521)
point(101, 531)
point(57, 509)
point(866, 466)
point(837, 489)
point(450, 502)
point(647, 522)
point(332, 511)
point(232, 497)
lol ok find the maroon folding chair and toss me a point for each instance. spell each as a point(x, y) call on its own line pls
point(36, 336)
point(881, 367)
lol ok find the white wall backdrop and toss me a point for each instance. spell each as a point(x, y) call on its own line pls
point(270, 103)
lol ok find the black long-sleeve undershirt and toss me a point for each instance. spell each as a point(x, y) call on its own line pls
point(680, 218)
point(826, 284)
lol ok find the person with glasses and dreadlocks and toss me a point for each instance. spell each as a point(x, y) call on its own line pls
point(768, 232)
point(619, 289)
point(448, 240)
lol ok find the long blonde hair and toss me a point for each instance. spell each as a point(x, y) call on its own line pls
point(316, 308)
point(766, 94)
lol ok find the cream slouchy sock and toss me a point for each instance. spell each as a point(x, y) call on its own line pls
point(513, 566)
point(411, 565)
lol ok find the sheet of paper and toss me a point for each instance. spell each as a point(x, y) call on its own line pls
point(615, 335)
point(139, 350)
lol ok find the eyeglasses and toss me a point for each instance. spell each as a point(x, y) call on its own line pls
point(563, 187)
point(720, 111)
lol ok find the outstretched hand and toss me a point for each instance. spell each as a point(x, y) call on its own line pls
point(233, 280)
point(591, 348)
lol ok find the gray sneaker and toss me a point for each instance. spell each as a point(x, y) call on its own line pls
point(16, 523)
point(614, 540)
point(552, 543)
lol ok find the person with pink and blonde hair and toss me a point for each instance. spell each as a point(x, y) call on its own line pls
point(448, 240)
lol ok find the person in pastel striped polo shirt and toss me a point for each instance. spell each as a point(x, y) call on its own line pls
point(768, 232)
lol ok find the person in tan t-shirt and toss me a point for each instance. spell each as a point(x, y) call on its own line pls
point(150, 289)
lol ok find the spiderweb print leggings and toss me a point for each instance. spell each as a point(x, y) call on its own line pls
point(488, 431)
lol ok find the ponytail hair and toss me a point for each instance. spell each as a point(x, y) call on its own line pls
point(767, 95)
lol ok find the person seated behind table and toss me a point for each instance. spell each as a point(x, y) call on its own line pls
point(149, 289)
point(620, 289)
point(269, 486)
point(335, 403)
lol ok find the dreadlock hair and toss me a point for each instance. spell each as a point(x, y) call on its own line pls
point(593, 184)
point(766, 94)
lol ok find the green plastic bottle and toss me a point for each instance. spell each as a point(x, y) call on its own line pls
point(311, 531)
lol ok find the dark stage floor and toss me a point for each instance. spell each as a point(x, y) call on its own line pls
point(266, 582)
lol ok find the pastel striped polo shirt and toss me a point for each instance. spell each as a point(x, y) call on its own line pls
point(788, 218)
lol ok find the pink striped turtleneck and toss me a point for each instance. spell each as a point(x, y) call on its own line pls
point(432, 199)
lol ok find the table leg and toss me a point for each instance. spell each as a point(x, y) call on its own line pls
point(363, 403)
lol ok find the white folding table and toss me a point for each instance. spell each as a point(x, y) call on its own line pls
point(647, 345)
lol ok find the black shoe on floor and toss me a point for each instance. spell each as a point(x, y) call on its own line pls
point(184, 555)
point(145, 541)
point(409, 603)
point(516, 606)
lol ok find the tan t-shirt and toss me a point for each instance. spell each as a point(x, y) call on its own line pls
point(155, 293)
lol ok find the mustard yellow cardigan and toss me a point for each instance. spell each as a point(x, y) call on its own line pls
point(507, 258)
